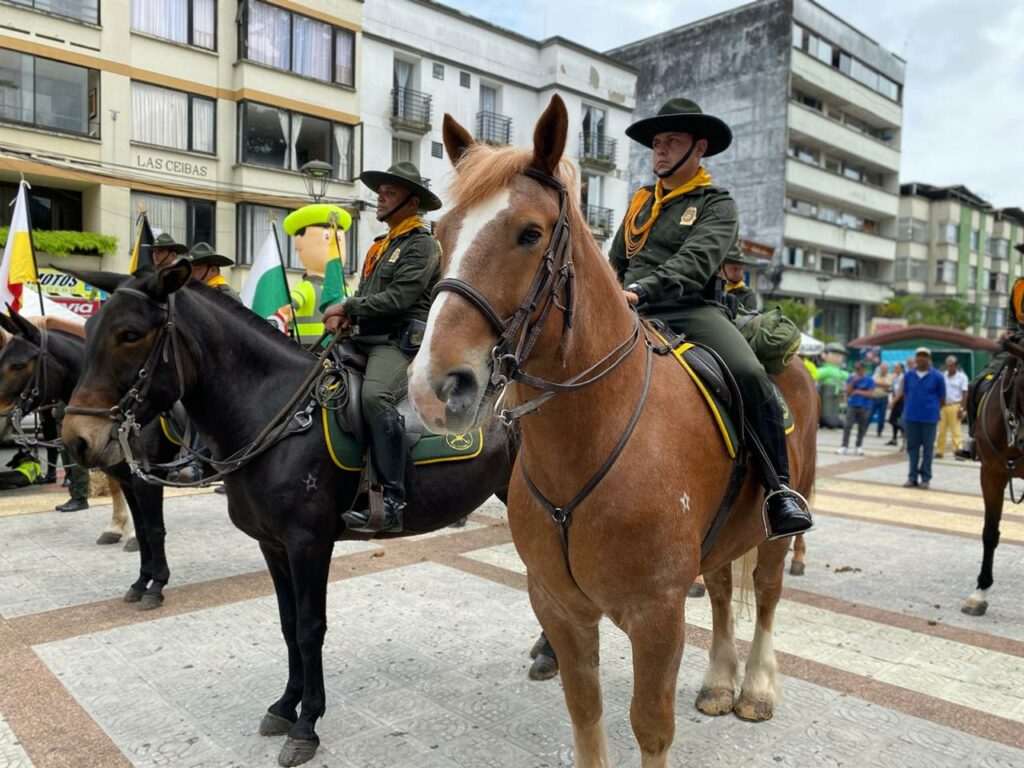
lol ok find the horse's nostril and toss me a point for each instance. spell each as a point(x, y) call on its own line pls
point(459, 390)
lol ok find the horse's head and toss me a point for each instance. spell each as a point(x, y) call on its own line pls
point(132, 345)
point(19, 360)
point(495, 239)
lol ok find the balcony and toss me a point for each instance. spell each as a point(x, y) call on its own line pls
point(597, 151)
point(599, 220)
point(852, 195)
point(825, 79)
point(410, 110)
point(837, 238)
point(818, 128)
point(493, 128)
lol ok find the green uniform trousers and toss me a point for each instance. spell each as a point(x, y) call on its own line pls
point(386, 379)
point(709, 325)
point(79, 477)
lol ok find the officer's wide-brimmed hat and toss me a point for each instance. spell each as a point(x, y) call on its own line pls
point(203, 255)
point(835, 346)
point(683, 116)
point(407, 176)
point(316, 215)
point(164, 240)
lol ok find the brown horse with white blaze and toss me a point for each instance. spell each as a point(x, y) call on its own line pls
point(633, 546)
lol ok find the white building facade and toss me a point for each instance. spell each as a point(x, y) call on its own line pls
point(421, 59)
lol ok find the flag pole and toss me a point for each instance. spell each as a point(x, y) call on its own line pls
point(32, 247)
point(284, 276)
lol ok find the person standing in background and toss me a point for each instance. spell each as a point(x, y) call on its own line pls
point(924, 392)
point(860, 389)
point(954, 407)
point(880, 402)
point(896, 412)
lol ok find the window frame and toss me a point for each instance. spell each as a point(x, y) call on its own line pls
point(191, 27)
point(191, 97)
point(190, 208)
point(32, 7)
point(91, 118)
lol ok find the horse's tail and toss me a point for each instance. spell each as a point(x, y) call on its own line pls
point(743, 578)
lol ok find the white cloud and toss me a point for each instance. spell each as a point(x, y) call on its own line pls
point(963, 107)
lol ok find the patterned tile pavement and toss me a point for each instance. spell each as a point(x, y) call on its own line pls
point(425, 659)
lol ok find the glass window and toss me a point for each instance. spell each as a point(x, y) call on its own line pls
point(828, 262)
point(986, 279)
point(287, 140)
point(264, 135)
point(794, 256)
point(975, 237)
point(464, 79)
point(802, 207)
point(849, 266)
point(186, 219)
point(49, 94)
point(438, 71)
point(174, 119)
point(83, 10)
point(972, 279)
point(17, 89)
point(311, 48)
point(798, 36)
point(806, 154)
point(593, 121)
point(1000, 247)
point(828, 213)
point(311, 140)
point(401, 151)
point(204, 124)
point(269, 35)
point(945, 272)
point(912, 230)
point(345, 57)
point(842, 61)
point(170, 19)
point(296, 43)
point(949, 232)
point(48, 209)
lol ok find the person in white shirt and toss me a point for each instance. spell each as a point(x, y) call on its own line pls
point(954, 408)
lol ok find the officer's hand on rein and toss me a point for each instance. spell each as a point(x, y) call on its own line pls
point(335, 317)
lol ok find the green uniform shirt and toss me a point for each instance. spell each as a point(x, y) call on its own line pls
point(399, 288)
point(745, 297)
point(679, 262)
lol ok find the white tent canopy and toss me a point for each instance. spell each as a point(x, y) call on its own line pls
point(810, 346)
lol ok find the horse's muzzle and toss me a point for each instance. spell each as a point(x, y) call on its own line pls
point(90, 441)
point(448, 402)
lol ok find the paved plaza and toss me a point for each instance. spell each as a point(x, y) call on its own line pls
point(426, 653)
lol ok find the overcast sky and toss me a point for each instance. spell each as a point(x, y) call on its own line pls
point(963, 118)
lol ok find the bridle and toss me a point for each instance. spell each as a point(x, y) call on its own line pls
point(552, 287)
point(1010, 411)
point(29, 400)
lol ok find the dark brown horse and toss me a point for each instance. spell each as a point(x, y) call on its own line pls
point(634, 543)
point(1000, 442)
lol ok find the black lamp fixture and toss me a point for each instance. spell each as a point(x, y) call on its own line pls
point(316, 174)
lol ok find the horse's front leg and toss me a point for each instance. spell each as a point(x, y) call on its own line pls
point(761, 687)
point(150, 501)
point(718, 690)
point(310, 564)
point(282, 714)
point(138, 589)
point(993, 488)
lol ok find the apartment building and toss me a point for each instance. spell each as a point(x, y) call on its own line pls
point(201, 112)
point(815, 107)
point(422, 59)
point(953, 243)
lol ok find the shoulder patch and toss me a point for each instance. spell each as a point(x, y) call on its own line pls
point(723, 209)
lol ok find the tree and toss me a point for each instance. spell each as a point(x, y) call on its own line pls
point(948, 312)
point(801, 314)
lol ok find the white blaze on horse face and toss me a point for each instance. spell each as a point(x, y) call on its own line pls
point(473, 223)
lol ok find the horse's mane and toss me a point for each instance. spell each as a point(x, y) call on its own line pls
point(483, 171)
point(245, 315)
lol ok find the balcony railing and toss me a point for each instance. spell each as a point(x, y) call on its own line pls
point(494, 128)
point(599, 219)
point(597, 150)
point(410, 110)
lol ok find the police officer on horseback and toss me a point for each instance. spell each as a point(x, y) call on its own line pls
point(391, 303)
point(667, 254)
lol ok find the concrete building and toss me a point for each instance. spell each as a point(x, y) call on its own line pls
point(952, 243)
point(422, 59)
point(201, 111)
point(816, 108)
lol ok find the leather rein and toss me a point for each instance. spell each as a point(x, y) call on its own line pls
point(552, 287)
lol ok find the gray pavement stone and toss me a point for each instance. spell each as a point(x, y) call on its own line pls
point(12, 754)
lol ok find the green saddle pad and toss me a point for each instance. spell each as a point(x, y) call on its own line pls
point(349, 454)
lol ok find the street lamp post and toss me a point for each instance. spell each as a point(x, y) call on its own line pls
point(823, 282)
point(315, 175)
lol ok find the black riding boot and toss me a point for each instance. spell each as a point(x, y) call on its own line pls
point(387, 451)
point(787, 513)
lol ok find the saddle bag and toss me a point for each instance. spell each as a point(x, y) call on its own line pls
point(774, 338)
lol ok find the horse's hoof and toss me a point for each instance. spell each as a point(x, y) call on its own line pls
point(275, 725)
point(753, 710)
point(297, 751)
point(716, 701)
point(151, 600)
point(972, 608)
point(107, 537)
point(133, 595)
point(796, 568)
point(544, 667)
point(696, 590)
point(132, 545)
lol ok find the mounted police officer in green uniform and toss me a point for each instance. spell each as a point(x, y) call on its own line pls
point(387, 315)
point(206, 264)
point(667, 254)
point(732, 273)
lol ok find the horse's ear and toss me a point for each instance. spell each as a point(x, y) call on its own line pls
point(8, 325)
point(105, 281)
point(549, 136)
point(22, 327)
point(456, 138)
point(169, 279)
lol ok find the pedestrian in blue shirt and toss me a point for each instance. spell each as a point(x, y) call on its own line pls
point(860, 390)
point(924, 392)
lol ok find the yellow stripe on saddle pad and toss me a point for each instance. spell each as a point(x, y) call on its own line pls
point(167, 428)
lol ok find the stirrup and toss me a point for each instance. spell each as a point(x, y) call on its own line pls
point(785, 490)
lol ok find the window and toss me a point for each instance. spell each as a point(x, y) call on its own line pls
point(794, 256)
point(1000, 248)
point(464, 79)
point(912, 230)
point(804, 153)
point(949, 232)
point(173, 119)
point(830, 55)
point(997, 282)
point(802, 207)
point(808, 101)
point(945, 272)
point(295, 43)
point(288, 140)
point(995, 317)
point(972, 279)
point(849, 266)
point(253, 226)
point(401, 151)
point(187, 220)
point(591, 189)
point(192, 22)
point(83, 10)
point(911, 269)
point(49, 94)
point(436, 149)
point(48, 209)
point(438, 71)
point(975, 238)
point(828, 213)
point(986, 280)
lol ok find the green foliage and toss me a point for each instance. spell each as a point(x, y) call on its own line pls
point(801, 314)
point(60, 243)
point(949, 312)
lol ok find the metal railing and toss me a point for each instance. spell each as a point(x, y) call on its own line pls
point(410, 109)
point(493, 128)
point(597, 148)
point(599, 219)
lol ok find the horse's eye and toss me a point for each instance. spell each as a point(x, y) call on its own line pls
point(18, 366)
point(128, 337)
point(529, 237)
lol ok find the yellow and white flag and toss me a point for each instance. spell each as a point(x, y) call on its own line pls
point(19, 264)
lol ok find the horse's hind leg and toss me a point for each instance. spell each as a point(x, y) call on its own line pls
point(656, 631)
point(718, 690)
point(797, 567)
point(993, 487)
point(761, 687)
point(119, 517)
point(577, 644)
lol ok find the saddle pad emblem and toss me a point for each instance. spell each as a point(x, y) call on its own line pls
point(459, 442)
point(394, 256)
point(689, 216)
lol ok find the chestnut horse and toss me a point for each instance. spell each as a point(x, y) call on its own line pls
point(634, 544)
point(1000, 445)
